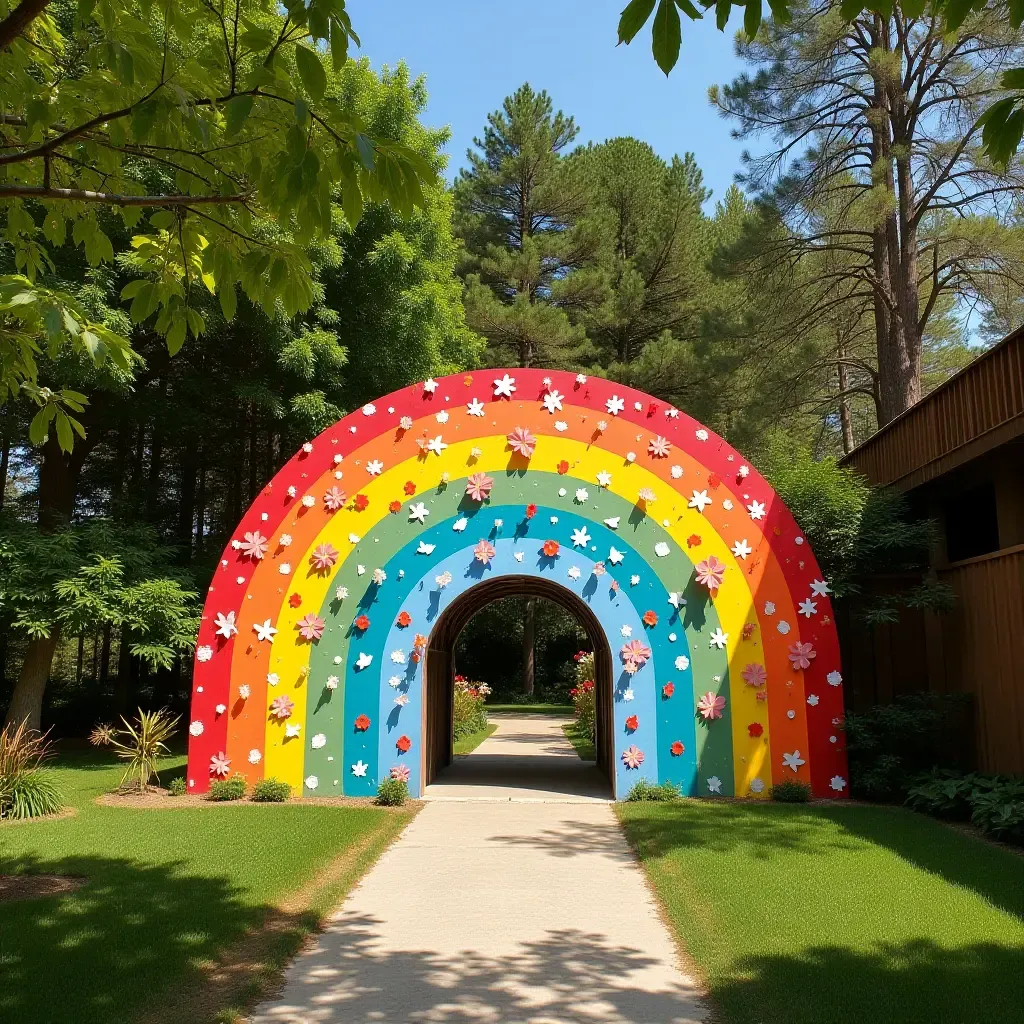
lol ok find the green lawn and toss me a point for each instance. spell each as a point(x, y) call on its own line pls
point(580, 739)
point(831, 914)
point(469, 743)
point(167, 890)
point(531, 709)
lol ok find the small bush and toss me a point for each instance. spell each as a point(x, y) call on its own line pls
point(792, 791)
point(470, 713)
point(227, 789)
point(32, 795)
point(653, 792)
point(948, 794)
point(142, 744)
point(392, 793)
point(584, 697)
point(999, 811)
point(177, 786)
point(27, 790)
point(271, 791)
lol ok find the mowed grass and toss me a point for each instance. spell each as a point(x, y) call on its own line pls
point(828, 914)
point(469, 743)
point(580, 739)
point(530, 709)
point(167, 891)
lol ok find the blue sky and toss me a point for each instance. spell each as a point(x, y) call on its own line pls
point(476, 52)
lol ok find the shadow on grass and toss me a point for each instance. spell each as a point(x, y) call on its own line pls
point(917, 982)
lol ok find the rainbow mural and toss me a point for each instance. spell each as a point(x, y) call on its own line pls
point(310, 652)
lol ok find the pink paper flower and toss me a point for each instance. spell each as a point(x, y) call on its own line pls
point(522, 441)
point(632, 757)
point(282, 707)
point(801, 655)
point(400, 772)
point(311, 626)
point(484, 552)
point(220, 764)
point(478, 486)
point(710, 706)
point(659, 447)
point(755, 675)
point(254, 546)
point(324, 557)
point(710, 573)
point(334, 499)
point(634, 655)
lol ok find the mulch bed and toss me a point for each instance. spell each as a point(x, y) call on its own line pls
point(33, 887)
point(160, 799)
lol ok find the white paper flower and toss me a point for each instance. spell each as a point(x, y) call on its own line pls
point(312, 782)
point(244, 691)
point(819, 588)
point(225, 624)
point(364, 661)
point(627, 694)
point(615, 405)
point(378, 576)
point(308, 447)
point(661, 549)
point(444, 579)
point(756, 510)
point(430, 385)
point(220, 709)
point(285, 568)
point(204, 653)
point(769, 607)
point(718, 638)
point(700, 500)
point(727, 505)
point(359, 769)
point(398, 656)
point(292, 491)
point(264, 630)
point(561, 426)
point(582, 494)
point(405, 423)
point(626, 631)
point(273, 679)
point(615, 556)
point(634, 580)
point(574, 572)
point(341, 593)
point(460, 524)
point(793, 760)
point(375, 467)
point(504, 386)
point(702, 434)
point(631, 456)
point(613, 522)
point(286, 540)
point(757, 786)
point(475, 408)
point(553, 402)
point(442, 416)
point(581, 378)
point(292, 730)
point(369, 409)
point(783, 627)
point(833, 678)
point(423, 548)
point(808, 608)
point(714, 784)
point(838, 783)
point(308, 500)
point(255, 756)
point(318, 741)
point(812, 699)
point(682, 663)
point(196, 728)
point(741, 549)
point(332, 682)
point(580, 537)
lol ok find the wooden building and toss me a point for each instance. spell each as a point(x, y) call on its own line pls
point(958, 455)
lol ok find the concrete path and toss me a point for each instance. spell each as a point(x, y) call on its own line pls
point(498, 911)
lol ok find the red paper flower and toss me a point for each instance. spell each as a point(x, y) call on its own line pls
point(632, 723)
point(668, 689)
point(748, 630)
point(652, 408)
point(403, 743)
point(395, 506)
point(531, 511)
point(359, 502)
point(755, 729)
point(419, 640)
point(677, 748)
point(650, 618)
point(550, 548)
point(404, 618)
point(295, 600)
point(410, 487)
point(415, 657)
point(362, 623)
point(563, 467)
point(693, 540)
point(714, 480)
point(362, 723)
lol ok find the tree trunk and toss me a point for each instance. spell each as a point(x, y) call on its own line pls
point(80, 667)
point(27, 699)
point(5, 454)
point(105, 655)
point(529, 633)
point(123, 690)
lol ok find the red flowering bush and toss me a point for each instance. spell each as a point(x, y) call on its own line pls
point(583, 694)
point(470, 713)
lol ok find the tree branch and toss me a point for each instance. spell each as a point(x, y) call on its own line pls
point(19, 19)
point(111, 198)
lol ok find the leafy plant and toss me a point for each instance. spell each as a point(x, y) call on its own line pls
point(947, 793)
point(392, 792)
point(271, 791)
point(177, 786)
point(1000, 810)
point(142, 744)
point(792, 791)
point(227, 789)
point(584, 698)
point(27, 790)
point(102, 735)
point(470, 713)
point(646, 791)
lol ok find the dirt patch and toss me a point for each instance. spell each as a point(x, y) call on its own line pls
point(160, 799)
point(34, 887)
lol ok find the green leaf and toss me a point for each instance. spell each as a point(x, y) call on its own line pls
point(176, 336)
point(257, 38)
point(228, 301)
point(367, 154)
point(40, 425)
point(236, 110)
point(752, 18)
point(956, 11)
point(339, 45)
point(849, 9)
point(666, 37)
point(633, 18)
point(912, 8)
point(1013, 79)
point(65, 435)
point(311, 71)
point(723, 8)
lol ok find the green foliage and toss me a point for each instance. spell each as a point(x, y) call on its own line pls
point(993, 802)
point(584, 694)
point(27, 789)
point(470, 714)
point(142, 744)
point(271, 791)
point(999, 811)
point(792, 791)
point(177, 786)
point(392, 792)
point(227, 789)
point(644, 791)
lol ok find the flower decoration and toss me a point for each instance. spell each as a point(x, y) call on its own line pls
point(362, 622)
point(244, 691)
point(710, 573)
point(659, 447)
point(395, 507)
point(220, 765)
point(282, 707)
point(711, 706)
point(334, 499)
point(634, 655)
point(550, 548)
point(632, 723)
point(225, 624)
point(311, 627)
point(677, 748)
point(294, 600)
point(521, 441)
point(801, 655)
point(308, 501)
point(400, 772)
point(632, 757)
point(324, 557)
point(204, 653)
point(755, 674)
point(667, 690)
point(478, 486)
point(755, 729)
point(359, 502)
point(748, 630)
point(484, 552)
point(254, 545)
point(404, 619)
point(562, 467)
point(531, 511)
point(378, 576)
point(444, 579)
point(693, 540)
point(714, 481)
point(403, 743)
point(362, 723)
point(650, 618)
point(196, 728)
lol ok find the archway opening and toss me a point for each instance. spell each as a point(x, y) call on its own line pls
point(441, 666)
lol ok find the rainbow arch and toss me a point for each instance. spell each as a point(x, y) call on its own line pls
point(309, 661)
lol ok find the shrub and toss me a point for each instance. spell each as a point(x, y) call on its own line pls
point(999, 811)
point(102, 735)
point(944, 793)
point(227, 789)
point(142, 744)
point(792, 791)
point(584, 698)
point(177, 786)
point(392, 792)
point(271, 791)
point(470, 713)
point(27, 790)
point(653, 792)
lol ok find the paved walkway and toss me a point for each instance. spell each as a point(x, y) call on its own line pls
point(527, 908)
